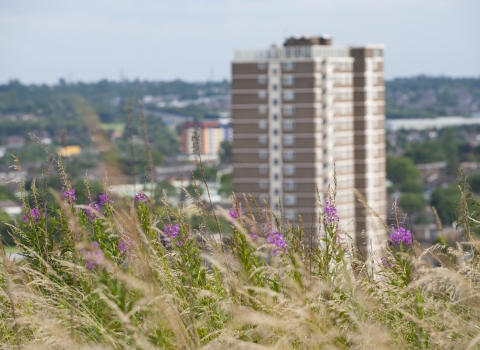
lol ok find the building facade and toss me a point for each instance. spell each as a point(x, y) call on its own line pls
point(212, 133)
point(302, 112)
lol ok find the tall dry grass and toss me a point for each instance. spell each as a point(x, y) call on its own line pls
point(134, 274)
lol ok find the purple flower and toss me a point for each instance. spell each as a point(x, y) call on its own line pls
point(233, 214)
point(91, 211)
point(36, 214)
point(93, 257)
point(69, 195)
point(400, 237)
point(122, 246)
point(277, 239)
point(330, 215)
point(386, 263)
point(253, 234)
point(25, 218)
point(141, 197)
point(103, 199)
point(171, 231)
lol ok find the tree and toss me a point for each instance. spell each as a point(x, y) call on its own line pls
point(4, 235)
point(451, 151)
point(166, 186)
point(210, 173)
point(412, 202)
point(401, 170)
point(225, 152)
point(191, 189)
point(226, 185)
point(474, 182)
point(6, 193)
point(445, 200)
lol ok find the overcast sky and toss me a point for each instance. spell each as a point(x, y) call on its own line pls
point(88, 40)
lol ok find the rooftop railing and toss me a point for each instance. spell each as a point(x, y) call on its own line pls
point(291, 52)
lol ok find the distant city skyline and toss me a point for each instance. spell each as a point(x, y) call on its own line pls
point(87, 41)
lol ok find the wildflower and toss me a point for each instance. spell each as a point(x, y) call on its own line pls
point(69, 195)
point(122, 246)
point(277, 239)
point(93, 257)
point(103, 199)
point(233, 213)
point(141, 197)
point(253, 234)
point(171, 231)
point(386, 263)
point(90, 211)
point(400, 237)
point(330, 214)
point(35, 214)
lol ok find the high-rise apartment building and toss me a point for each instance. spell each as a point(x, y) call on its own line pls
point(300, 111)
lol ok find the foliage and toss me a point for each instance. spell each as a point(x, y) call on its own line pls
point(150, 279)
point(430, 97)
point(6, 193)
point(210, 173)
point(225, 152)
point(445, 199)
point(226, 185)
point(451, 152)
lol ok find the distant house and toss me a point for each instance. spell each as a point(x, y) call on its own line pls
point(11, 208)
point(211, 132)
point(69, 151)
point(16, 141)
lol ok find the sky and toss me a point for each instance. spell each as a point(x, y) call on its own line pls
point(193, 40)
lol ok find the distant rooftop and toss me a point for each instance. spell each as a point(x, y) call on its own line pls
point(308, 41)
point(298, 48)
point(428, 123)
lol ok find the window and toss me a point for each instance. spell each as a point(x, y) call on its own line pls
point(275, 117)
point(374, 80)
point(274, 87)
point(288, 80)
point(290, 215)
point(275, 161)
point(288, 125)
point(275, 132)
point(262, 109)
point(289, 170)
point(263, 184)
point(275, 102)
point(262, 79)
point(318, 79)
point(288, 140)
point(289, 155)
point(274, 70)
point(275, 147)
point(276, 177)
point(277, 207)
point(263, 154)
point(262, 124)
point(289, 185)
point(263, 169)
point(262, 139)
point(288, 110)
point(262, 65)
point(290, 199)
point(318, 95)
point(287, 65)
point(262, 94)
point(288, 95)
point(276, 191)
